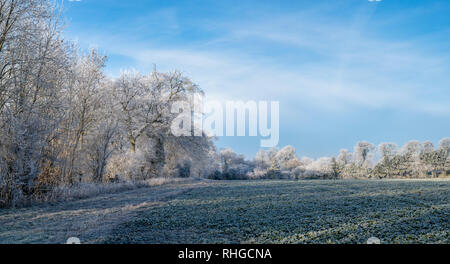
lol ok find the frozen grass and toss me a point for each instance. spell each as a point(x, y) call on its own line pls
point(395, 211)
point(201, 211)
point(89, 219)
point(88, 190)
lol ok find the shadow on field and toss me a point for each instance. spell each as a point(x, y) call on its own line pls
point(89, 219)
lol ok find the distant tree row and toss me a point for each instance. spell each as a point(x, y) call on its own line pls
point(414, 160)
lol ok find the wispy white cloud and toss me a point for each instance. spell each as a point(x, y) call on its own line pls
point(350, 68)
point(343, 71)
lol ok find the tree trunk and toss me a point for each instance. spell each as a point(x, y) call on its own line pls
point(157, 163)
point(132, 144)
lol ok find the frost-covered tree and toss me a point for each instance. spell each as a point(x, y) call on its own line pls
point(427, 147)
point(385, 166)
point(263, 159)
point(86, 103)
point(34, 64)
point(285, 160)
point(195, 153)
point(232, 166)
point(339, 164)
point(143, 111)
point(321, 168)
point(411, 155)
point(387, 150)
point(412, 148)
point(444, 145)
point(344, 158)
point(441, 159)
point(364, 152)
point(362, 161)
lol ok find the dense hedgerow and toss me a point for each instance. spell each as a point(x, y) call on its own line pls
point(414, 160)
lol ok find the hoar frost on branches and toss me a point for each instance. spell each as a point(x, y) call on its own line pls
point(413, 160)
point(62, 122)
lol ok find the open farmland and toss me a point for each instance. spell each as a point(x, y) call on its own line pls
point(398, 211)
point(201, 211)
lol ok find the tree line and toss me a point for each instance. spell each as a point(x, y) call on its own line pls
point(63, 122)
point(387, 161)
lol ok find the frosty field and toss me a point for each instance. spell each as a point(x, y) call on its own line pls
point(395, 211)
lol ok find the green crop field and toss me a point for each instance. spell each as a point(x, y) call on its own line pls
point(396, 211)
point(204, 211)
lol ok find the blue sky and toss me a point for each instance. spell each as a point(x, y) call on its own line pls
point(343, 71)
